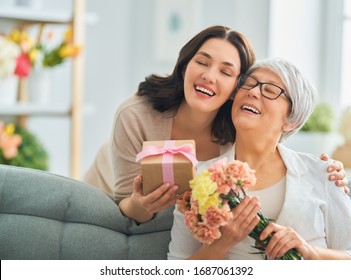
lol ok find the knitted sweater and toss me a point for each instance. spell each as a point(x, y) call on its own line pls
point(114, 168)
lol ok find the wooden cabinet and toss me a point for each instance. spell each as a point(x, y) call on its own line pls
point(23, 110)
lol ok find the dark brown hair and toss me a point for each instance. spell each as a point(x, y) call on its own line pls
point(166, 93)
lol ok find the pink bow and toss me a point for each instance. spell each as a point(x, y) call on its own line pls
point(168, 150)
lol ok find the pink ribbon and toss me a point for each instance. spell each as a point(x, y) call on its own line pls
point(168, 150)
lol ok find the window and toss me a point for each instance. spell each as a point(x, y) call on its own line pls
point(346, 56)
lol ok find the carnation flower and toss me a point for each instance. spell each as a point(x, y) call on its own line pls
point(215, 217)
point(19, 147)
point(215, 192)
point(204, 191)
point(9, 141)
point(19, 52)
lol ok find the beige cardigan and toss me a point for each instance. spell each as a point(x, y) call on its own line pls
point(114, 168)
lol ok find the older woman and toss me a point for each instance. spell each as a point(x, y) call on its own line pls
point(272, 102)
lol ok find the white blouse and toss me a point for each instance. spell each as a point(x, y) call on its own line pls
point(312, 205)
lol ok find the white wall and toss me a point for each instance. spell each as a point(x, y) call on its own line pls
point(108, 70)
point(307, 34)
point(295, 34)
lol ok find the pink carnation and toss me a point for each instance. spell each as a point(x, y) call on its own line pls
point(9, 144)
point(215, 217)
point(191, 220)
point(23, 65)
point(218, 165)
point(218, 176)
point(207, 235)
point(229, 179)
point(183, 202)
point(240, 171)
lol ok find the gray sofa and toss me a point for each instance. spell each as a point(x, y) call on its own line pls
point(46, 216)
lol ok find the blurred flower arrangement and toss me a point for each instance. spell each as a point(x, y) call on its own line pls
point(214, 193)
point(9, 53)
point(9, 141)
point(19, 52)
point(19, 147)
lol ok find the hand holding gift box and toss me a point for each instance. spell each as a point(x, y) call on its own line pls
point(170, 161)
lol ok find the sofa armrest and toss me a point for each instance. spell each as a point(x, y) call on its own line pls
point(46, 216)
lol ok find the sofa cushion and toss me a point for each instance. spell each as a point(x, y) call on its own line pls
point(46, 216)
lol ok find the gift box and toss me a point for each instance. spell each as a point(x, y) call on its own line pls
point(170, 161)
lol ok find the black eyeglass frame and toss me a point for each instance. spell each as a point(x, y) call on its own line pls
point(241, 81)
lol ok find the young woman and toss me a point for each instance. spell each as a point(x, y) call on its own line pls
point(272, 102)
point(191, 103)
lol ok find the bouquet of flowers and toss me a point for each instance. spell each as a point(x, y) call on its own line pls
point(37, 51)
point(12, 60)
point(215, 192)
point(20, 53)
point(20, 147)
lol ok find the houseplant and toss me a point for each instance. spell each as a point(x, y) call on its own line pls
point(321, 120)
point(317, 136)
point(20, 147)
point(43, 53)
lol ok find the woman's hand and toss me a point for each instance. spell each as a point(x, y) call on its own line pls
point(284, 239)
point(244, 220)
point(142, 208)
point(160, 199)
point(338, 173)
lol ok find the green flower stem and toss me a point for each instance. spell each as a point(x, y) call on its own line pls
point(234, 199)
point(53, 58)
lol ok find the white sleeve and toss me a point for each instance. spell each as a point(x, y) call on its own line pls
point(338, 218)
point(182, 244)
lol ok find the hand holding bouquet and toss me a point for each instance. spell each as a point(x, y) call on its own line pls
point(215, 192)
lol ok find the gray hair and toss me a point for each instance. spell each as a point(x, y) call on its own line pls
point(301, 91)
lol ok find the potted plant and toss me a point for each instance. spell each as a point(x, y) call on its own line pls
point(19, 147)
point(40, 54)
point(321, 120)
point(317, 136)
point(13, 64)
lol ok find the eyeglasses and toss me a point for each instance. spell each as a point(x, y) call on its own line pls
point(268, 90)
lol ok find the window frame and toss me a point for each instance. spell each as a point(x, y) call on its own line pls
point(345, 64)
point(332, 24)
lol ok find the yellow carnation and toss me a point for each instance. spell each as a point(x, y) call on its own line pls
point(16, 36)
point(68, 37)
point(203, 190)
point(212, 201)
point(9, 129)
point(69, 51)
point(34, 54)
